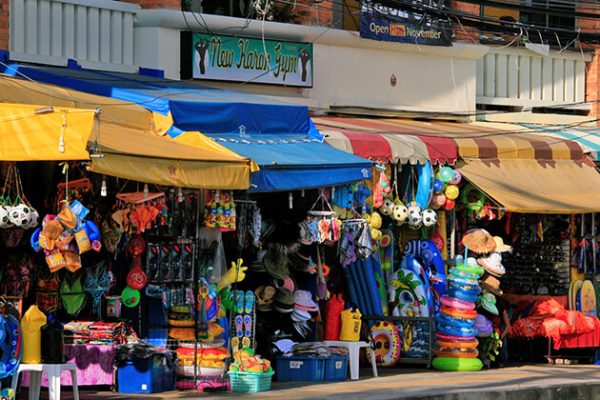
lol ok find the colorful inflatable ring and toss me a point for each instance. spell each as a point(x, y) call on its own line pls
point(467, 289)
point(463, 274)
point(465, 296)
point(387, 343)
point(456, 303)
point(11, 346)
point(470, 269)
point(462, 332)
point(463, 281)
point(462, 344)
point(454, 322)
point(457, 364)
point(456, 353)
point(442, 336)
point(459, 312)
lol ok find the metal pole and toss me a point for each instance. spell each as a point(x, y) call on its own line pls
point(453, 235)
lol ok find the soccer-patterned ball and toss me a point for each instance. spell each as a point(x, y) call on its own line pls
point(34, 218)
point(20, 215)
point(429, 218)
point(387, 208)
point(4, 220)
point(415, 217)
point(400, 213)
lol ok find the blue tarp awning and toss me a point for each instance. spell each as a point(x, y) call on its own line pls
point(280, 138)
point(293, 162)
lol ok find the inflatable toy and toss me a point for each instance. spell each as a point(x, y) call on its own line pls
point(456, 303)
point(457, 364)
point(427, 252)
point(458, 344)
point(466, 289)
point(386, 339)
point(458, 312)
point(443, 336)
point(462, 332)
point(453, 322)
point(456, 353)
point(460, 295)
point(11, 346)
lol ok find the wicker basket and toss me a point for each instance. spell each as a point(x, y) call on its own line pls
point(250, 382)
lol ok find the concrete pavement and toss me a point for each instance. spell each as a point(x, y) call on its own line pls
point(522, 383)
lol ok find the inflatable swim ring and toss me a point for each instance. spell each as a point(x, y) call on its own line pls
point(442, 336)
point(456, 353)
point(462, 332)
point(459, 312)
point(456, 303)
point(462, 274)
point(425, 184)
point(461, 344)
point(454, 322)
point(460, 295)
point(386, 339)
point(463, 281)
point(457, 364)
point(472, 290)
point(11, 346)
point(470, 269)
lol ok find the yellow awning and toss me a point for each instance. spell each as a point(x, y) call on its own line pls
point(41, 133)
point(134, 140)
point(127, 153)
point(537, 187)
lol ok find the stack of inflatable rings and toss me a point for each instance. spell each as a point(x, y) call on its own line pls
point(456, 348)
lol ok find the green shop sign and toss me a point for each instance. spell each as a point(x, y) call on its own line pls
point(240, 59)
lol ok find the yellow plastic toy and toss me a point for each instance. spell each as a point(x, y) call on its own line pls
point(235, 274)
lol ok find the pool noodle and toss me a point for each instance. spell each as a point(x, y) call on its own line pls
point(350, 286)
point(359, 296)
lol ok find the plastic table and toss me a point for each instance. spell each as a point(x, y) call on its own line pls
point(53, 372)
point(353, 355)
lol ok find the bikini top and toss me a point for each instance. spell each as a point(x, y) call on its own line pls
point(49, 284)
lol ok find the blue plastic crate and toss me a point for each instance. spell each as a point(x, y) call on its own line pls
point(300, 368)
point(336, 368)
point(150, 375)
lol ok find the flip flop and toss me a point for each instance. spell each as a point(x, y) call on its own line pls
point(239, 326)
point(249, 302)
point(235, 344)
point(246, 342)
point(239, 301)
point(248, 328)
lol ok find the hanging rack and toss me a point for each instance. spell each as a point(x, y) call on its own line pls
point(324, 203)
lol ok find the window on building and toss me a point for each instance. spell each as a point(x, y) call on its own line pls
point(564, 21)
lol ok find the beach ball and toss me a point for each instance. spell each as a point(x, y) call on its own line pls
point(438, 200)
point(446, 174)
point(449, 205)
point(456, 178)
point(438, 186)
point(451, 192)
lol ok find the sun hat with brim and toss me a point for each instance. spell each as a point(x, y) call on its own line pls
point(130, 297)
point(284, 296)
point(488, 302)
point(491, 284)
point(492, 264)
point(479, 241)
point(501, 247)
point(276, 264)
point(287, 283)
point(483, 325)
point(303, 298)
point(265, 295)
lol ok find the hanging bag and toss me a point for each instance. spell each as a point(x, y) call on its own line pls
point(351, 324)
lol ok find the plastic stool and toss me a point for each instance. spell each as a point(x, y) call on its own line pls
point(53, 371)
point(353, 354)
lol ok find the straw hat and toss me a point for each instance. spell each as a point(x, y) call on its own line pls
point(479, 241)
point(276, 262)
point(500, 246)
point(491, 284)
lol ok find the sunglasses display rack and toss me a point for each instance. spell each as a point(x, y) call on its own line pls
point(540, 268)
